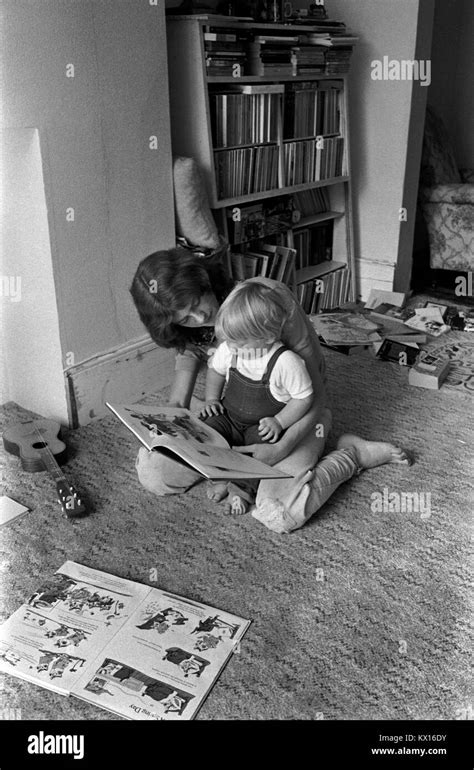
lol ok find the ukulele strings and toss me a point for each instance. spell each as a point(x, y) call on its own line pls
point(53, 465)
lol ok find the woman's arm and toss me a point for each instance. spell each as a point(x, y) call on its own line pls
point(183, 387)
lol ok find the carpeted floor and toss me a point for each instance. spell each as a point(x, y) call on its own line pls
point(359, 615)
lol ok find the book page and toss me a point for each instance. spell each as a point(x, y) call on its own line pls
point(149, 423)
point(178, 432)
point(218, 463)
point(164, 661)
point(51, 637)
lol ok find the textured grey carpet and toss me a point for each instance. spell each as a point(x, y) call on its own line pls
point(359, 615)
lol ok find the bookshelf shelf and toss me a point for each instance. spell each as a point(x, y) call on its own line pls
point(252, 131)
point(223, 79)
point(317, 271)
point(218, 204)
point(325, 216)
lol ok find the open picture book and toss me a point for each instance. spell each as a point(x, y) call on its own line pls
point(140, 652)
point(179, 434)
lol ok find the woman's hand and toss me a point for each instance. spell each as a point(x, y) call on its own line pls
point(271, 454)
point(210, 408)
point(269, 429)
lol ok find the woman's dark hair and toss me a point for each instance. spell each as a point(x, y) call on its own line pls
point(167, 281)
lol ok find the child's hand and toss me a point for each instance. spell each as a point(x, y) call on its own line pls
point(210, 408)
point(269, 429)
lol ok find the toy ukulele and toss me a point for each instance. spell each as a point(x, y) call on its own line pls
point(39, 448)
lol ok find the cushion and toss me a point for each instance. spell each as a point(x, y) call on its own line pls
point(194, 219)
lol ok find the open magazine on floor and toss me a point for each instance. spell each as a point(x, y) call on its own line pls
point(181, 435)
point(140, 652)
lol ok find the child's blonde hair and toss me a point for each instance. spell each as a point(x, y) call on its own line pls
point(251, 311)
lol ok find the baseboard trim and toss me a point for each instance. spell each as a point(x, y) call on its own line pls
point(123, 375)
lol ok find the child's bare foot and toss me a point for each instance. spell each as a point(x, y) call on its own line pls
point(216, 491)
point(370, 454)
point(235, 505)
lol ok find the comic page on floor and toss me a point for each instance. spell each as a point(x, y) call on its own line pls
point(59, 629)
point(164, 661)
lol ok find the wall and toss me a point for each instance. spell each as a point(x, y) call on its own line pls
point(94, 133)
point(380, 131)
point(31, 349)
point(453, 74)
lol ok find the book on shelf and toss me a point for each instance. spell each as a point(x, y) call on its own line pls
point(245, 171)
point(328, 291)
point(244, 117)
point(140, 652)
point(315, 200)
point(310, 160)
point(179, 434)
point(313, 244)
point(266, 261)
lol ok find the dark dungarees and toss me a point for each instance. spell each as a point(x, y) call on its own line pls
point(245, 402)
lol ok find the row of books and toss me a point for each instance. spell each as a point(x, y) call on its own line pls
point(291, 55)
point(277, 53)
point(249, 114)
point(311, 109)
point(313, 244)
point(305, 161)
point(247, 117)
point(329, 291)
point(267, 261)
point(245, 171)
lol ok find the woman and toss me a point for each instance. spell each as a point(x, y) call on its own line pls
point(177, 295)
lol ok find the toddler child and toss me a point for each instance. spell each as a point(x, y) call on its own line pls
point(268, 387)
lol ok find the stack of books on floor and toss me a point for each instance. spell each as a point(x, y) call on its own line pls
point(324, 293)
point(267, 261)
point(346, 332)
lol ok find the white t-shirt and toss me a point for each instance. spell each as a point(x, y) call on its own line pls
point(289, 378)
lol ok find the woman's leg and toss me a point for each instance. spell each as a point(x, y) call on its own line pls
point(163, 476)
point(285, 505)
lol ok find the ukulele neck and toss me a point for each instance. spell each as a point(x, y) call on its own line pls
point(51, 465)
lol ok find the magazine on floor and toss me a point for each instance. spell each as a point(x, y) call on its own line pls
point(140, 652)
point(179, 433)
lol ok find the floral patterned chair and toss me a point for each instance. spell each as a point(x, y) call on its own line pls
point(447, 200)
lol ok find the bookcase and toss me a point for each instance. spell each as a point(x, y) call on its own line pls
point(264, 112)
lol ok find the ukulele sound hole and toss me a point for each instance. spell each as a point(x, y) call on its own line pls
point(39, 445)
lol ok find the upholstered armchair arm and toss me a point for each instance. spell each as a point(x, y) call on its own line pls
point(467, 175)
point(455, 194)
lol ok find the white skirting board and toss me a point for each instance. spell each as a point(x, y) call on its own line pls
point(122, 375)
